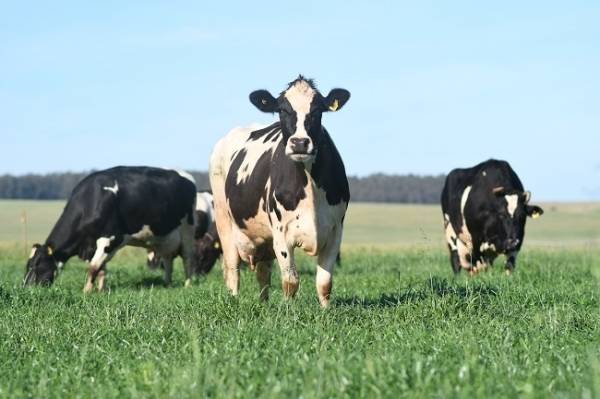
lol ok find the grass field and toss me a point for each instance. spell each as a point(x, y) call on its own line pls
point(400, 324)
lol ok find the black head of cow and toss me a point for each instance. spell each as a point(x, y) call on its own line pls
point(41, 266)
point(208, 250)
point(505, 224)
point(300, 108)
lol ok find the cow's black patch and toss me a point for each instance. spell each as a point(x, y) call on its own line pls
point(244, 198)
point(329, 172)
point(284, 254)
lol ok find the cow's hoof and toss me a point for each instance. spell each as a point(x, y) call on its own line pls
point(188, 283)
point(289, 288)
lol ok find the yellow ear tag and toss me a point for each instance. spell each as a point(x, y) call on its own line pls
point(50, 250)
point(217, 246)
point(334, 105)
point(535, 215)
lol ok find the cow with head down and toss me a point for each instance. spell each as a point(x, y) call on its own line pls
point(109, 209)
point(279, 187)
point(206, 239)
point(485, 209)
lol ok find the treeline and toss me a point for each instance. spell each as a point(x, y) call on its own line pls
point(374, 188)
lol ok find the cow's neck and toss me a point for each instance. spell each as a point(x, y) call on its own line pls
point(62, 239)
point(328, 171)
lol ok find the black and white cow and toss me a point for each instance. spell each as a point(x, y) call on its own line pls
point(206, 239)
point(139, 206)
point(279, 187)
point(485, 208)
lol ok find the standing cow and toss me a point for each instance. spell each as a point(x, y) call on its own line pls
point(139, 206)
point(485, 208)
point(279, 187)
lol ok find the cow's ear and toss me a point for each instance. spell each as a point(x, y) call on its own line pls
point(526, 195)
point(336, 99)
point(264, 101)
point(534, 211)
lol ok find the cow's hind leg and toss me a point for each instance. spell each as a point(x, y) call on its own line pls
point(263, 276)
point(326, 263)
point(190, 263)
point(454, 260)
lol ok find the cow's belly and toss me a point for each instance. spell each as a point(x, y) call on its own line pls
point(166, 245)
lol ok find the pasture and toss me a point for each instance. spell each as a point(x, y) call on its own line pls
point(400, 324)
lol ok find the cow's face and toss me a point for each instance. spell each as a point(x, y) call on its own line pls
point(505, 221)
point(41, 266)
point(208, 250)
point(300, 108)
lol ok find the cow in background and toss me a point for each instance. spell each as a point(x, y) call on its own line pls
point(485, 209)
point(206, 238)
point(139, 206)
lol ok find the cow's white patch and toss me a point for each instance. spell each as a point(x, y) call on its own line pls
point(254, 149)
point(151, 256)
point(114, 189)
point(185, 175)
point(450, 233)
point(100, 255)
point(144, 234)
point(464, 235)
point(204, 203)
point(300, 97)
point(486, 246)
point(512, 201)
point(464, 198)
point(32, 253)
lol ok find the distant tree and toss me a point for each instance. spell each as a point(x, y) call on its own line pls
point(377, 187)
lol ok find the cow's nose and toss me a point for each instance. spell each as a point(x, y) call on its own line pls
point(299, 144)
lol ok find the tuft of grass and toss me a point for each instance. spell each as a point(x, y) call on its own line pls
point(400, 325)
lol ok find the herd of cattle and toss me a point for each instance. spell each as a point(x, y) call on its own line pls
point(274, 188)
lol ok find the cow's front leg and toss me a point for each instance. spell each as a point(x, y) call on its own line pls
point(167, 263)
point(263, 276)
point(326, 263)
point(511, 262)
point(285, 257)
point(105, 250)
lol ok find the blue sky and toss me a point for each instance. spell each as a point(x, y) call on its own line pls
point(435, 85)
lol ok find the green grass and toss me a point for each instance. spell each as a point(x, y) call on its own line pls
point(400, 324)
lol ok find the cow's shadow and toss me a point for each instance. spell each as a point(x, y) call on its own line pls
point(418, 292)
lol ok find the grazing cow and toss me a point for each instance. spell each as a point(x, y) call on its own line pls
point(279, 187)
point(485, 208)
point(207, 244)
point(139, 206)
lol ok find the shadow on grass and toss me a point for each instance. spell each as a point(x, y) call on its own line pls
point(435, 286)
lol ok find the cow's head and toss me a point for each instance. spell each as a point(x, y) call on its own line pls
point(153, 260)
point(41, 266)
point(300, 107)
point(208, 250)
point(505, 223)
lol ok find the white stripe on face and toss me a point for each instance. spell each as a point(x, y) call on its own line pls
point(300, 96)
point(512, 202)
